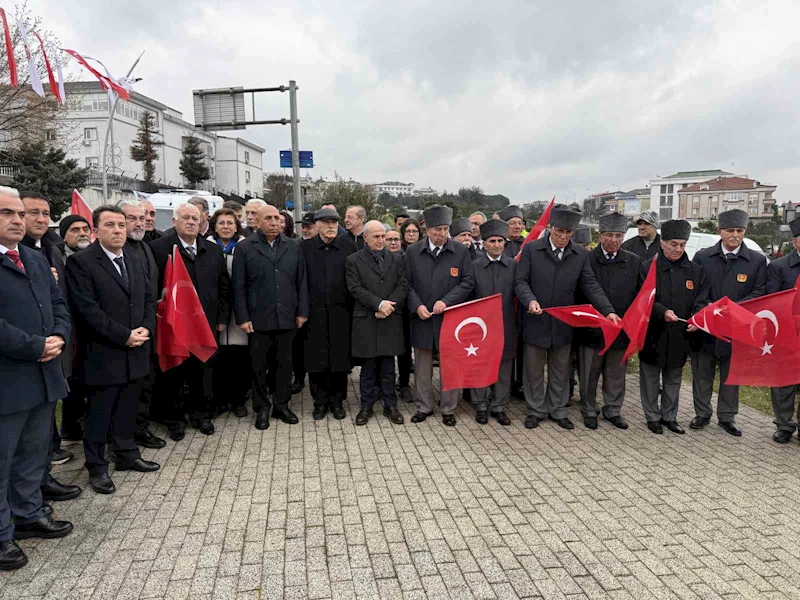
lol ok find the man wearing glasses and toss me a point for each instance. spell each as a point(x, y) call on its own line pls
point(393, 242)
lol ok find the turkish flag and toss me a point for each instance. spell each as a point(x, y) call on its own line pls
point(80, 207)
point(537, 230)
point(726, 320)
point(771, 364)
point(637, 317)
point(471, 344)
point(181, 328)
point(586, 315)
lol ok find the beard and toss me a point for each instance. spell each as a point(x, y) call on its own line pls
point(83, 243)
point(137, 236)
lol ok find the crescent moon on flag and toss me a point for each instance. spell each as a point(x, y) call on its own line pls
point(180, 284)
point(470, 321)
point(770, 316)
point(580, 313)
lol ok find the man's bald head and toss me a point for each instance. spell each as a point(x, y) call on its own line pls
point(375, 235)
point(269, 221)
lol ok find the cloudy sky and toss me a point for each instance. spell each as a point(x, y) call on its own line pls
point(526, 98)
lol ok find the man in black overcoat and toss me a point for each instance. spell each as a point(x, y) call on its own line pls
point(647, 244)
point(114, 313)
point(208, 271)
point(327, 345)
point(735, 271)
point(681, 290)
point(515, 217)
point(34, 327)
point(376, 279)
point(495, 273)
point(618, 273)
point(439, 273)
point(782, 275)
point(550, 273)
point(270, 294)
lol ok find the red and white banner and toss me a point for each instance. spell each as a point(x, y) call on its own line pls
point(54, 87)
point(33, 72)
point(12, 63)
point(105, 82)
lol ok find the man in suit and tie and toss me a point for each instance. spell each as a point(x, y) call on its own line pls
point(34, 326)
point(115, 313)
point(208, 270)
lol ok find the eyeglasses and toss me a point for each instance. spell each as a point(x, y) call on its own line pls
point(392, 240)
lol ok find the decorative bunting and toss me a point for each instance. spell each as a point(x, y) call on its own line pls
point(12, 63)
point(54, 88)
point(33, 72)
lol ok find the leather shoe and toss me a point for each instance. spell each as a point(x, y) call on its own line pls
point(502, 418)
point(363, 416)
point(337, 410)
point(406, 395)
point(699, 423)
point(102, 484)
point(394, 415)
point(782, 436)
point(419, 417)
point(262, 419)
point(731, 428)
point(673, 426)
point(206, 427)
point(141, 465)
point(285, 415)
point(11, 556)
point(655, 427)
point(240, 411)
point(590, 422)
point(297, 387)
point(58, 492)
point(449, 420)
point(319, 412)
point(176, 434)
point(565, 423)
point(482, 417)
point(146, 439)
point(532, 421)
point(61, 456)
point(45, 528)
point(617, 421)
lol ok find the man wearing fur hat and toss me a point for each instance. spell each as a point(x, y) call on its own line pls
point(681, 290)
point(515, 218)
point(583, 236)
point(439, 272)
point(618, 273)
point(737, 272)
point(550, 273)
point(782, 275)
point(461, 231)
point(647, 244)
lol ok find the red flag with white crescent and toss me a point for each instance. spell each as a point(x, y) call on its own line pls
point(586, 315)
point(726, 320)
point(637, 317)
point(33, 72)
point(537, 230)
point(12, 63)
point(471, 344)
point(54, 88)
point(105, 82)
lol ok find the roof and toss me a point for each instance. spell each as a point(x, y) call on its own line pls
point(708, 173)
point(395, 183)
point(72, 87)
point(243, 142)
point(725, 184)
point(640, 191)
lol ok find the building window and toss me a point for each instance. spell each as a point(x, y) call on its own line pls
point(753, 197)
point(670, 188)
point(92, 161)
point(735, 196)
point(90, 133)
point(665, 214)
point(247, 176)
point(696, 199)
point(666, 200)
point(663, 189)
point(246, 157)
point(752, 210)
point(50, 135)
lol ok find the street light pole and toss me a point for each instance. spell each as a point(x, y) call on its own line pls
point(110, 131)
point(297, 192)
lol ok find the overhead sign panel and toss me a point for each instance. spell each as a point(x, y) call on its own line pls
point(219, 109)
point(306, 159)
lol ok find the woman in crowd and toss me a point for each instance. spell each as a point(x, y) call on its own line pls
point(287, 223)
point(232, 377)
point(409, 233)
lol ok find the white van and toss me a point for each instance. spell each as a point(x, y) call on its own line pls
point(165, 202)
point(698, 241)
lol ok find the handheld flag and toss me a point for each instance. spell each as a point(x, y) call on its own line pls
point(726, 320)
point(637, 317)
point(537, 229)
point(586, 315)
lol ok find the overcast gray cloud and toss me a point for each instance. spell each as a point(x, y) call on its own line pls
point(528, 99)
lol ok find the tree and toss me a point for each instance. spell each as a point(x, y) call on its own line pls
point(709, 226)
point(46, 170)
point(278, 189)
point(192, 164)
point(145, 148)
point(386, 199)
point(350, 193)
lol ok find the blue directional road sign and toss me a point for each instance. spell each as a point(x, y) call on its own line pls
point(306, 159)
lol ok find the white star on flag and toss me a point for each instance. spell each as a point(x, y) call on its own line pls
point(766, 348)
point(472, 350)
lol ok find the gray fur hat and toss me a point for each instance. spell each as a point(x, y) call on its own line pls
point(613, 223)
point(678, 229)
point(795, 227)
point(582, 235)
point(565, 217)
point(437, 215)
point(511, 211)
point(459, 226)
point(494, 227)
point(732, 219)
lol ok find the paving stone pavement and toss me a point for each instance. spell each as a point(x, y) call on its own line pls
point(330, 510)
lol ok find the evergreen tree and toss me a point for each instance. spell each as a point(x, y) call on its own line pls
point(193, 167)
point(145, 148)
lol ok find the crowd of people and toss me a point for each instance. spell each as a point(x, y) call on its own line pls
point(78, 320)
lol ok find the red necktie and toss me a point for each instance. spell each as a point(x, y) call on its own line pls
point(14, 256)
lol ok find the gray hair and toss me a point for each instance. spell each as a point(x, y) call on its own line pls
point(133, 202)
point(256, 201)
point(359, 211)
point(9, 191)
point(480, 214)
point(199, 202)
point(177, 209)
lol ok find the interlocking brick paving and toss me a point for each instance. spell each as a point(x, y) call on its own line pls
point(330, 510)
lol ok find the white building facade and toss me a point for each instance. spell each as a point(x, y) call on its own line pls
point(664, 190)
point(393, 188)
point(235, 165)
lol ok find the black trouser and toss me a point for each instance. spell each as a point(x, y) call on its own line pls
point(271, 356)
point(198, 377)
point(404, 361)
point(73, 411)
point(377, 378)
point(53, 445)
point(146, 397)
point(232, 376)
point(298, 360)
point(112, 409)
point(329, 388)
